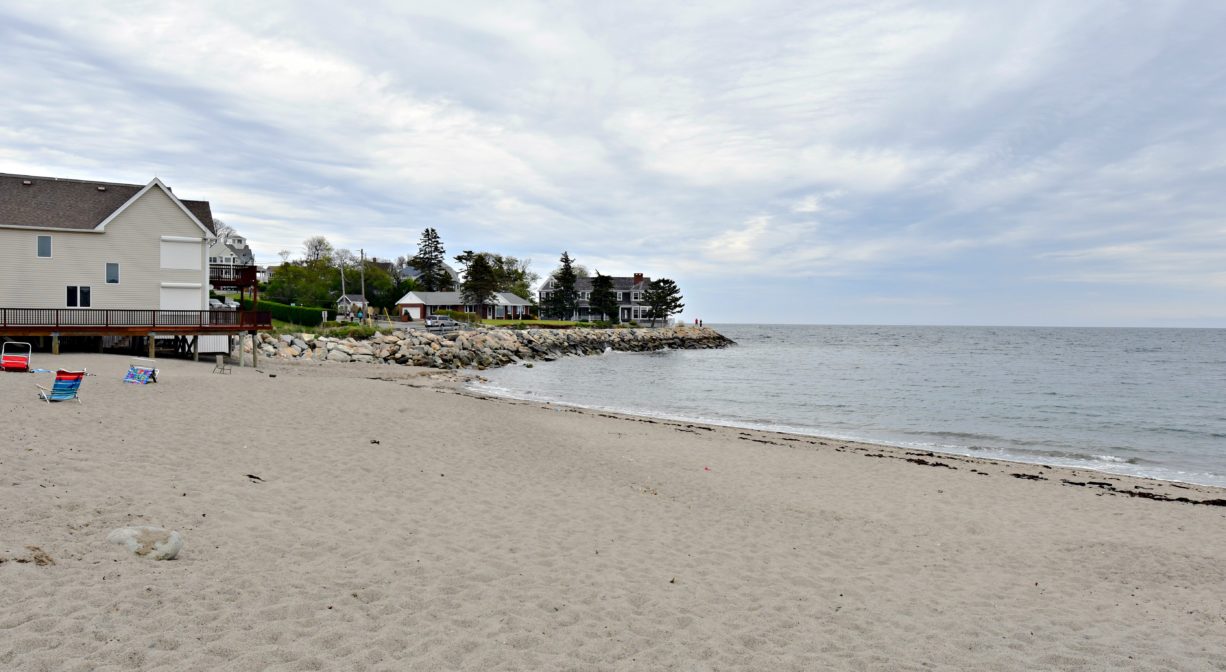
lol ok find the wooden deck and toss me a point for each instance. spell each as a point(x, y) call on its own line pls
point(224, 276)
point(123, 322)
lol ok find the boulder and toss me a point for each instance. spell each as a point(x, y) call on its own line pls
point(148, 542)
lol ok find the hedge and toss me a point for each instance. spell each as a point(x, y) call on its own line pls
point(302, 315)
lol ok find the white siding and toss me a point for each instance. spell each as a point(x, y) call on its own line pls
point(180, 255)
point(213, 344)
point(180, 298)
point(133, 240)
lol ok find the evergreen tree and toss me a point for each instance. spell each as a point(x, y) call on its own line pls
point(603, 299)
point(430, 263)
point(663, 299)
point(480, 282)
point(563, 300)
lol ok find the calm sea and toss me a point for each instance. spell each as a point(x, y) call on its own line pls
point(1149, 402)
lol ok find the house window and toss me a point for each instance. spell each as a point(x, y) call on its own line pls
point(636, 296)
point(212, 260)
point(78, 296)
point(112, 273)
point(44, 246)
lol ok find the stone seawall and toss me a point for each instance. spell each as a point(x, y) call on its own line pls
point(484, 348)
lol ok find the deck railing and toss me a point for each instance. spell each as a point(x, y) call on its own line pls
point(128, 319)
point(226, 274)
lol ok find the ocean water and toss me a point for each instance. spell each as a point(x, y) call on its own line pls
point(1148, 402)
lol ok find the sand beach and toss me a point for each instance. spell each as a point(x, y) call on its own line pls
point(372, 517)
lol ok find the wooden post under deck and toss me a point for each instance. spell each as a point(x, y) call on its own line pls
point(196, 348)
point(255, 361)
point(152, 345)
point(55, 344)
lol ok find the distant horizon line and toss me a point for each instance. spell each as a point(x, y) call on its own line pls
point(712, 323)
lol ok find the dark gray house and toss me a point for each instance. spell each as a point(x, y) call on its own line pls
point(410, 272)
point(628, 290)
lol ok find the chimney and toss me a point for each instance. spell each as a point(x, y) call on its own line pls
point(638, 278)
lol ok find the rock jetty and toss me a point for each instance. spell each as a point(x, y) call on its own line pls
point(485, 348)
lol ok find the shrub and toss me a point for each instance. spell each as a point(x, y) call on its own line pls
point(307, 317)
point(460, 316)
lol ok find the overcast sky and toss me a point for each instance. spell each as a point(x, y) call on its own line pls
point(1009, 163)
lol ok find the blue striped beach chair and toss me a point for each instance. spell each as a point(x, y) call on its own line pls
point(66, 386)
point(141, 373)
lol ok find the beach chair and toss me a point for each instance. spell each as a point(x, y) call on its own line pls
point(221, 367)
point(141, 372)
point(66, 385)
point(15, 356)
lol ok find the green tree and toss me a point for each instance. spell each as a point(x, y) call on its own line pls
point(480, 282)
point(303, 284)
point(563, 299)
point(603, 299)
point(430, 263)
point(514, 275)
point(663, 299)
point(382, 290)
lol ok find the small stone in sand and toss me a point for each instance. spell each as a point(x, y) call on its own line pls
point(150, 542)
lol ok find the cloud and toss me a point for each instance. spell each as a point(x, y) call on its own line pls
point(885, 149)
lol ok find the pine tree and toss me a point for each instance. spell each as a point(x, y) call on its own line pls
point(663, 299)
point(564, 300)
point(603, 299)
point(429, 262)
point(480, 282)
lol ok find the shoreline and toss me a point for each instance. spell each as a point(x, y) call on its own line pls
point(339, 516)
point(1065, 475)
point(815, 434)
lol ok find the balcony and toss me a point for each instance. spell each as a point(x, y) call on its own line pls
point(229, 276)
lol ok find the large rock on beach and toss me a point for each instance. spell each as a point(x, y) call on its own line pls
point(148, 542)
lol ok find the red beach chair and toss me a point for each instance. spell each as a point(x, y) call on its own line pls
point(15, 356)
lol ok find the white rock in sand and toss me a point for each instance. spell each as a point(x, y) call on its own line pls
point(151, 542)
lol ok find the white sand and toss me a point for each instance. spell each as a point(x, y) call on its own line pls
point(490, 535)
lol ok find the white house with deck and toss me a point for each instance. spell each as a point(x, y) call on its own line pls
point(420, 305)
point(79, 244)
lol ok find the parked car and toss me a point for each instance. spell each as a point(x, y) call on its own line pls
point(214, 303)
point(441, 321)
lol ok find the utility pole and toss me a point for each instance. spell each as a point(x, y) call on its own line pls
point(365, 305)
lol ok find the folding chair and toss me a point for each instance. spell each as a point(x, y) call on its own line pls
point(66, 385)
point(15, 356)
point(221, 367)
point(140, 372)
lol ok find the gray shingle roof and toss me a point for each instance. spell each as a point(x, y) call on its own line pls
point(50, 202)
point(620, 284)
point(410, 272)
point(456, 299)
